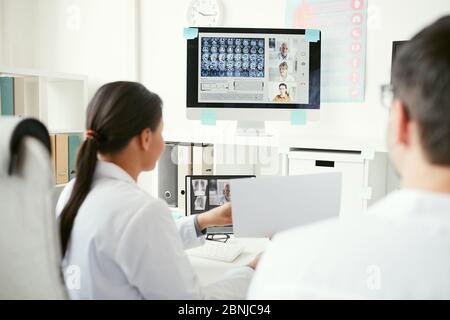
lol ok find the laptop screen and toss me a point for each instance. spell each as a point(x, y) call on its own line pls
point(204, 193)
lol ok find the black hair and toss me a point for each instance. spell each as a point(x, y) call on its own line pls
point(421, 79)
point(118, 112)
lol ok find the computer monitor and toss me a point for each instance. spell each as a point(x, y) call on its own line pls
point(395, 47)
point(204, 193)
point(250, 74)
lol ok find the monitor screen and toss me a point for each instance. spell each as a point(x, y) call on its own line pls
point(253, 68)
point(204, 193)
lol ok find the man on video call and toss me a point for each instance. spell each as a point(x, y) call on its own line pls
point(226, 195)
point(283, 55)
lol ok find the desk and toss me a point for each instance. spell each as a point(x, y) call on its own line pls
point(209, 271)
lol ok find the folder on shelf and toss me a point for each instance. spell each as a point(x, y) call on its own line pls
point(31, 94)
point(7, 96)
point(197, 158)
point(184, 169)
point(19, 97)
point(62, 159)
point(53, 144)
point(74, 144)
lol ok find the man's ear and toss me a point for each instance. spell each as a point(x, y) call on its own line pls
point(146, 139)
point(402, 123)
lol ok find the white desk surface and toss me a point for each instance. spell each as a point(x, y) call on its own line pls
point(209, 270)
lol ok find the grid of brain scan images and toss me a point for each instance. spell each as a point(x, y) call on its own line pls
point(232, 57)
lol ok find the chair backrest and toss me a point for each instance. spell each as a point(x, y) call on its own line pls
point(30, 259)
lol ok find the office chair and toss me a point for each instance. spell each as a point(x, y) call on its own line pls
point(30, 257)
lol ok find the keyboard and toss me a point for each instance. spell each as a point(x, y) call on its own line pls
point(216, 250)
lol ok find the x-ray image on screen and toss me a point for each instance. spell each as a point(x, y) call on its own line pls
point(199, 186)
point(232, 57)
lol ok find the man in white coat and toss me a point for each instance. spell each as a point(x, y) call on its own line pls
point(400, 248)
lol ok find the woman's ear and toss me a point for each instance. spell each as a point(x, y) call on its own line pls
point(146, 139)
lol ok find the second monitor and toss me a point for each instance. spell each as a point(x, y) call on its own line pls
point(204, 193)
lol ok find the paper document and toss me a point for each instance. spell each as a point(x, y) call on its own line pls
point(264, 206)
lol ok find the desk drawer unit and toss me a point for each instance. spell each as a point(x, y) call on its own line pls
point(363, 175)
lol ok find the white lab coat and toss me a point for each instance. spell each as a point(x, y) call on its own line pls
point(398, 250)
point(125, 245)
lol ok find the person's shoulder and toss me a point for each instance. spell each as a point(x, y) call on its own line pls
point(64, 196)
point(314, 229)
point(154, 208)
point(136, 209)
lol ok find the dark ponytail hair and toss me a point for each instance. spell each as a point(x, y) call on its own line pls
point(118, 112)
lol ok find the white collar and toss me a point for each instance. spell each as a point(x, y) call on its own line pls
point(112, 171)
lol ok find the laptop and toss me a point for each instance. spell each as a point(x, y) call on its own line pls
point(204, 193)
point(264, 206)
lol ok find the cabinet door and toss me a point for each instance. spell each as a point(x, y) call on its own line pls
point(352, 180)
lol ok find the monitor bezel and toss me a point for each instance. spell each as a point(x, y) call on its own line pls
point(192, 72)
point(396, 45)
point(211, 230)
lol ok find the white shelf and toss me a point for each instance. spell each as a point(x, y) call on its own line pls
point(65, 131)
point(59, 100)
point(53, 76)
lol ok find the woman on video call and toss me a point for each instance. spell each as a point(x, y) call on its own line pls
point(284, 95)
point(125, 242)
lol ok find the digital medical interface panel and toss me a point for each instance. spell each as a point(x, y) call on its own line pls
point(260, 69)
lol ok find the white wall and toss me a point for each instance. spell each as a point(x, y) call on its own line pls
point(91, 37)
point(1, 30)
point(98, 38)
point(164, 58)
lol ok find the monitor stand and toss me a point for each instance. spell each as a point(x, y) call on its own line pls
point(251, 128)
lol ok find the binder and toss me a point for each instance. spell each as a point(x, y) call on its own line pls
point(53, 144)
point(184, 169)
point(208, 160)
point(19, 97)
point(197, 160)
point(7, 96)
point(31, 97)
point(202, 160)
point(74, 144)
point(62, 159)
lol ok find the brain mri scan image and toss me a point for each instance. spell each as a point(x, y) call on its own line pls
point(232, 57)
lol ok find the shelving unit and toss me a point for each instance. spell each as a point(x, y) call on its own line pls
point(59, 100)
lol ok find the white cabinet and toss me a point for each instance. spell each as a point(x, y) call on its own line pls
point(363, 174)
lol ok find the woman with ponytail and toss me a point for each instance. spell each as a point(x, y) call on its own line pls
point(117, 241)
